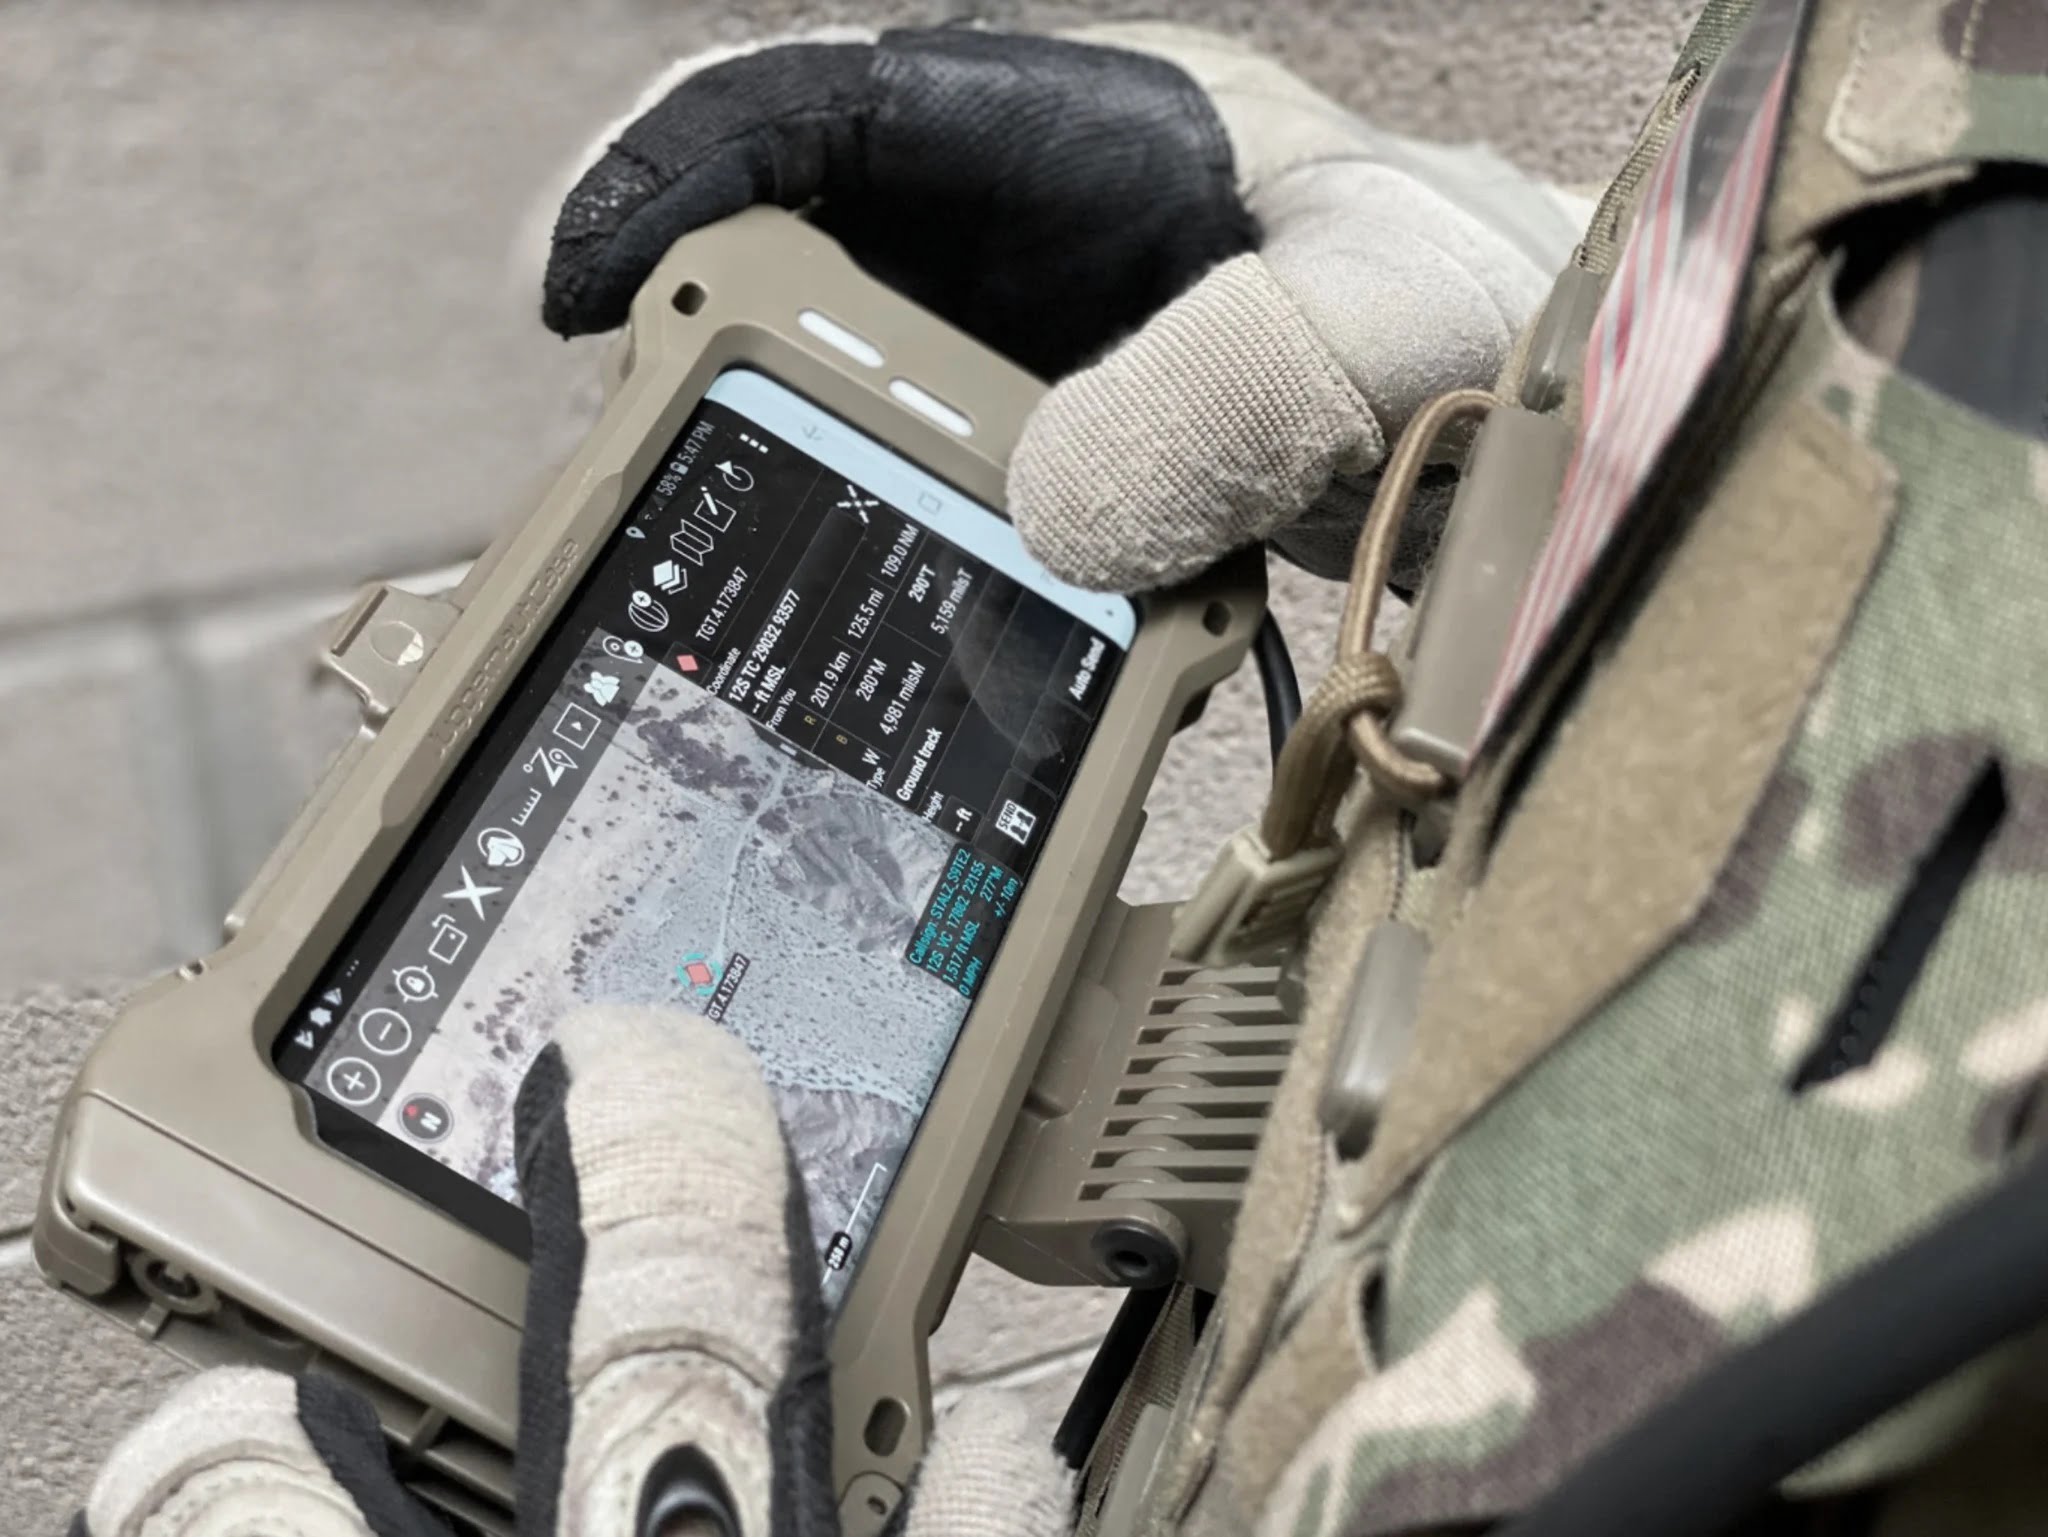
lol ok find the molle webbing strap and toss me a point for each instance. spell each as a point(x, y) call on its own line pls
point(1718, 23)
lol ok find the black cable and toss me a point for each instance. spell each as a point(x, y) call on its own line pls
point(1276, 678)
point(1114, 1360)
point(1711, 1454)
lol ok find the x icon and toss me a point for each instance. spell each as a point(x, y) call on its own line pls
point(471, 892)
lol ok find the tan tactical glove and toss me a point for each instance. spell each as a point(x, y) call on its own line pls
point(673, 1374)
point(1271, 286)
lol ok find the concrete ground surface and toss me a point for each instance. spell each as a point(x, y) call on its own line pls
point(265, 333)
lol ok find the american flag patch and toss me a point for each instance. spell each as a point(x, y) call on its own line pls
point(1663, 322)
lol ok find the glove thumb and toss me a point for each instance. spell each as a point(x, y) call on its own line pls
point(1221, 419)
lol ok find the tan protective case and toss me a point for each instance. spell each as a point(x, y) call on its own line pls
point(186, 1194)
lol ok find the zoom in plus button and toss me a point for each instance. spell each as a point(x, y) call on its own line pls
point(353, 1081)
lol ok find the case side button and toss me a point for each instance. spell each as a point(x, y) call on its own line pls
point(381, 643)
point(266, 875)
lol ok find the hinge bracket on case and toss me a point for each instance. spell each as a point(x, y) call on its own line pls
point(381, 643)
point(1129, 1158)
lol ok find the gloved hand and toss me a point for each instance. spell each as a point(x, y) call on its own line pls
point(1298, 282)
point(672, 1376)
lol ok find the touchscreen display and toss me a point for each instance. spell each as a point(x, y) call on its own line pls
point(787, 763)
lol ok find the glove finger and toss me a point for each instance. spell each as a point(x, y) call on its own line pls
point(242, 1449)
point(1223, 418)
point(674, 1339)
point(1417, 264)
point(538, 228)
point(990, 1472)
point(1041, 193)
point(759, 127)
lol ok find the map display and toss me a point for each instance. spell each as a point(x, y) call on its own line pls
point(787, 764)
point(814, 874)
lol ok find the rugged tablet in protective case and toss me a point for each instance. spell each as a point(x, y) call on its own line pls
point(188, 1192)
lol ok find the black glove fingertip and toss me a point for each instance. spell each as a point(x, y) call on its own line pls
point(766, 127)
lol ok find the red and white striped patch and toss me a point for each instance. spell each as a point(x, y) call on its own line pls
point(1662, 324)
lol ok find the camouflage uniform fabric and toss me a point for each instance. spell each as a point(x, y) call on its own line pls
point(1654, 1190)
point(1741, 1121)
